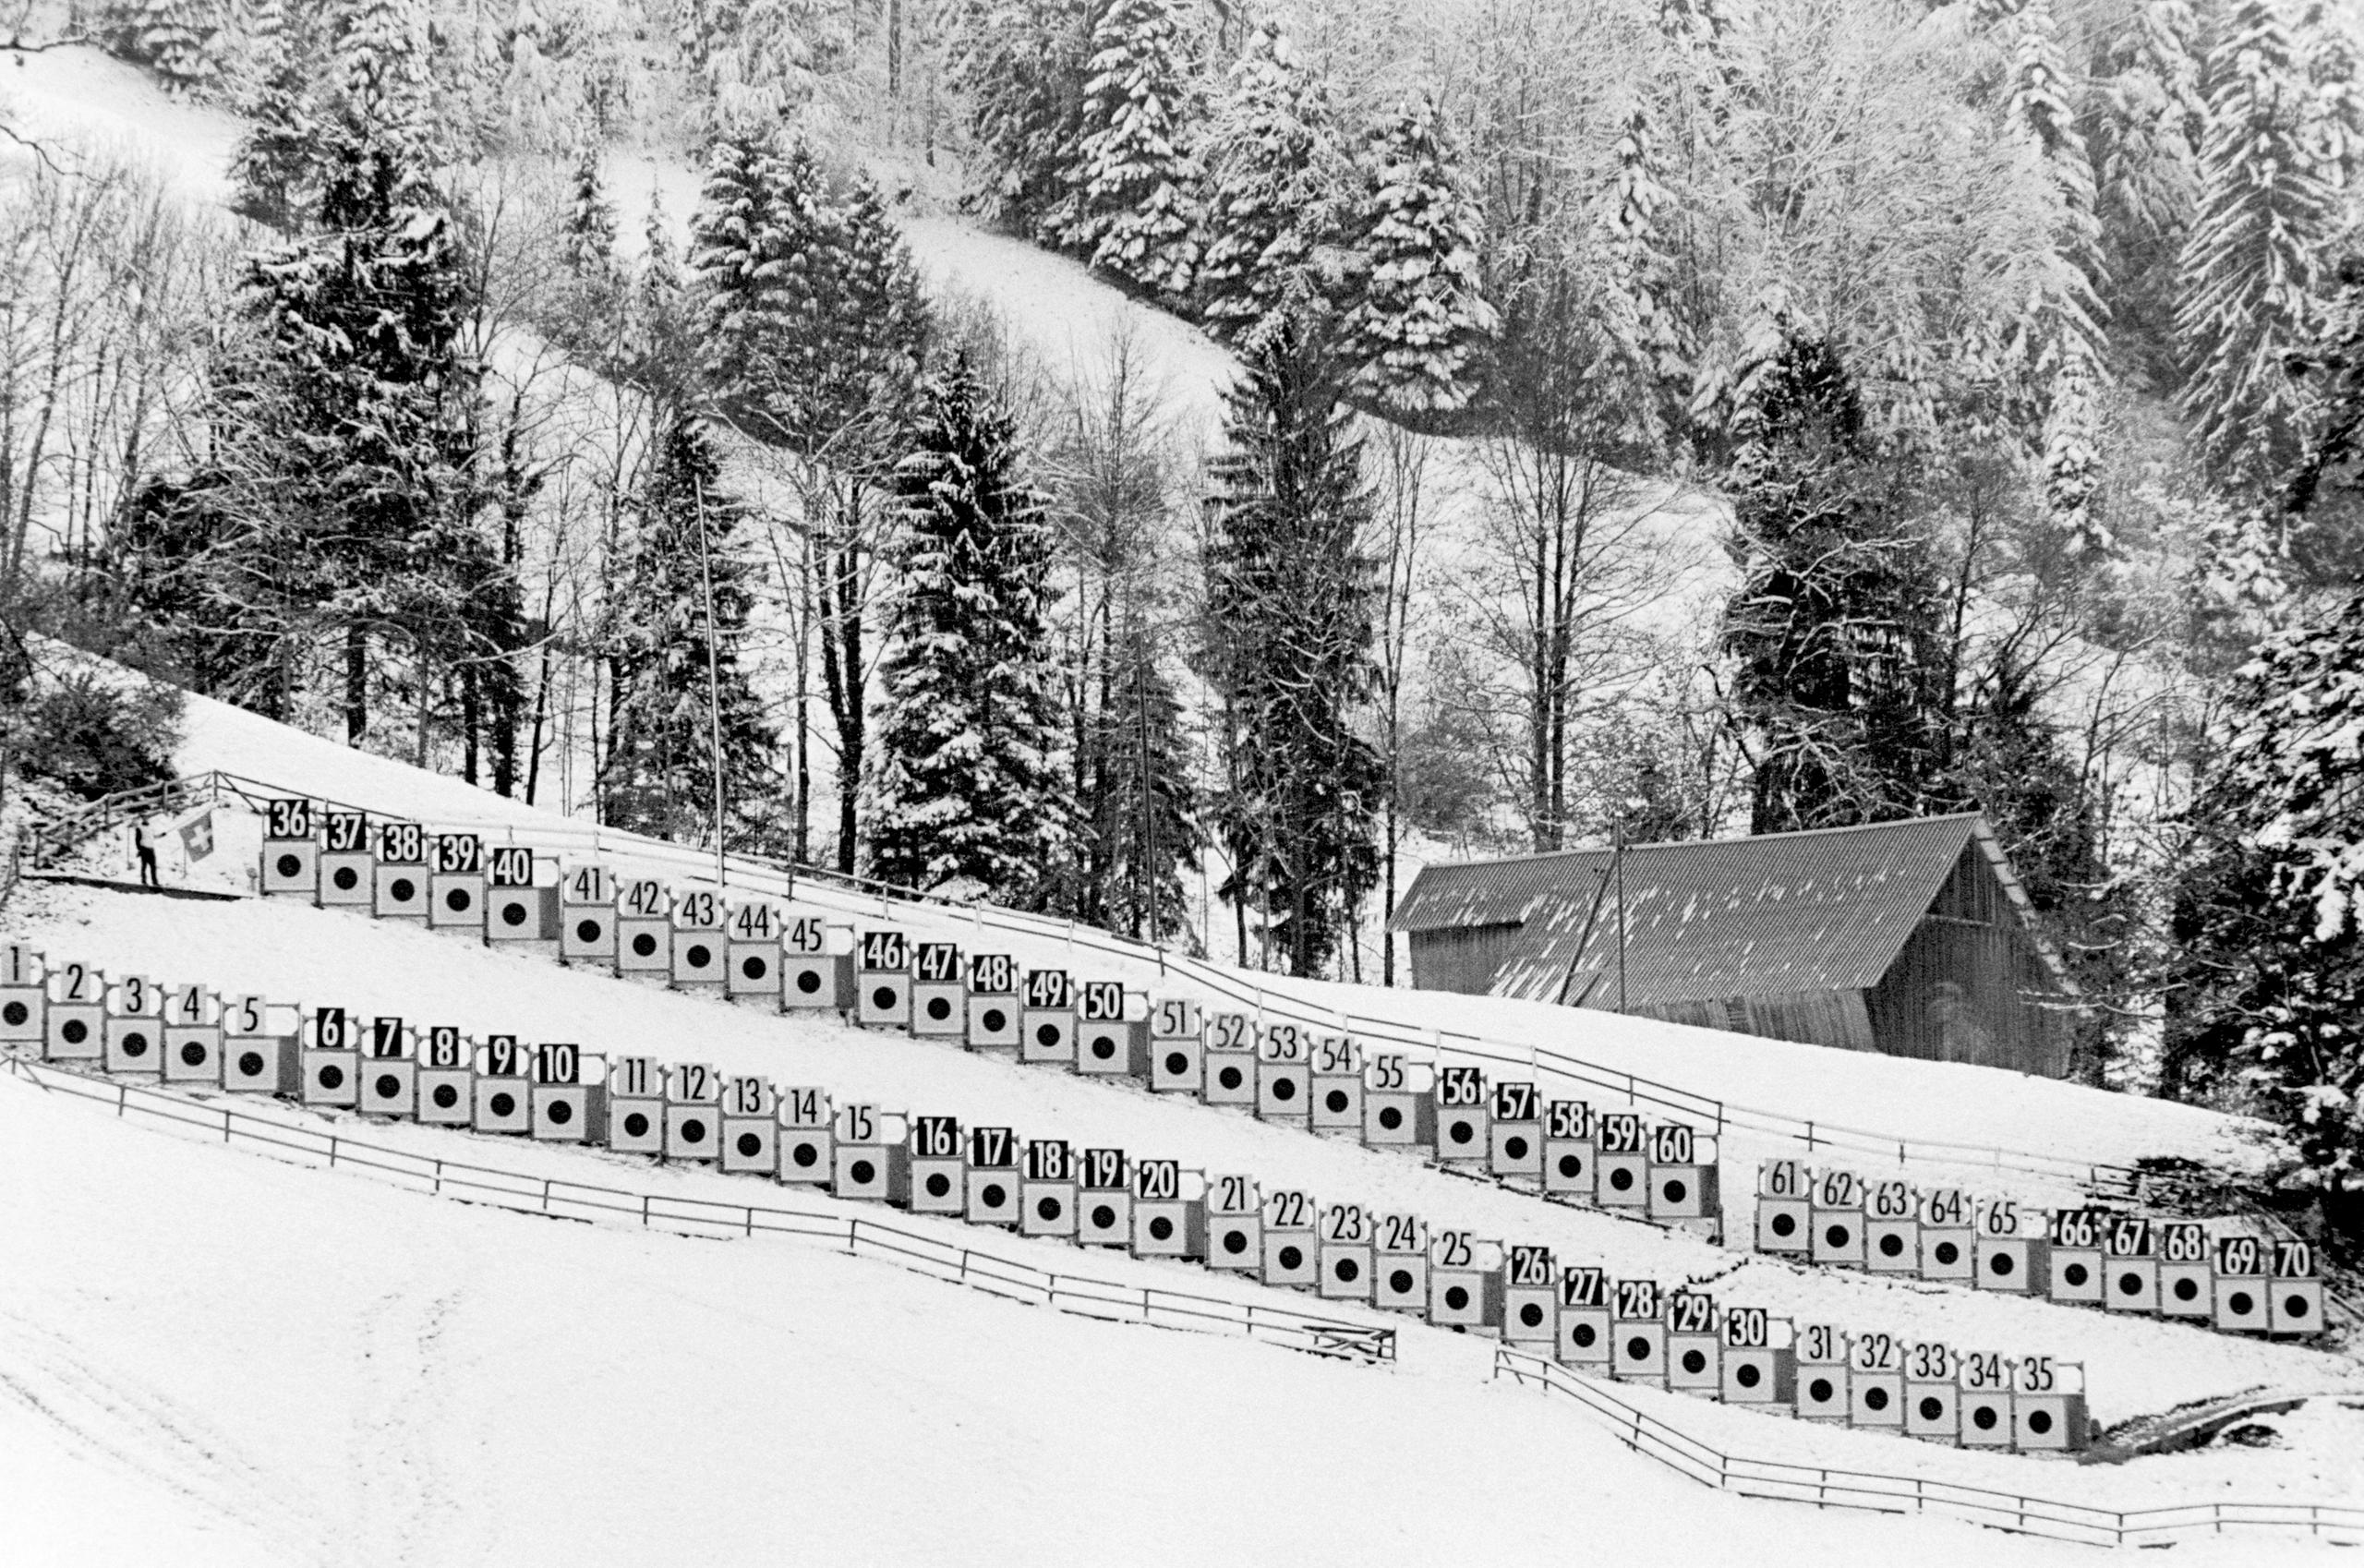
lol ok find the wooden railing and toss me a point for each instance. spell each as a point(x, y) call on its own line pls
point(1870, 1491)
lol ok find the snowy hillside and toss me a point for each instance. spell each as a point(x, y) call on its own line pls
point(1008, 600)
point(1891, 1096)
point(227, 1361)
point(2134, 1366)
point(413, 1346)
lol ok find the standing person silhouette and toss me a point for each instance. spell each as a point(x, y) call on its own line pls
point(146, 846)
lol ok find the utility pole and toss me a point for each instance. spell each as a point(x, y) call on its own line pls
point(713, 680)
point(1149, 801)
point(1620, 860)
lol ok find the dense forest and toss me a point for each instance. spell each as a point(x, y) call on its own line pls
point(1652, 418)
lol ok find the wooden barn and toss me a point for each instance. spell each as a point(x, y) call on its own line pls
point(1914, 938)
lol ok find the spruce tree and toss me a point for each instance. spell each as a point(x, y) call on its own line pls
point(588, 245)
point(673, 663)
point(660, 343)
point(1145, 833)
point(2146, 158)
point(587, 309)
point(1420, 323)
point(965, 783)
point(1831, 628)
point(751, 225)
point(2066, 358)
point(1135, 211)
point(1021, 64)
point(360, 318)
point(849, 364)
point(179, 39)
point(2248, 265)
point(812, 334)
point(2334, 61)
point(273, 168)
point(1640, 317)
point(1291, 607)
point(1279, 198)
point(2270, 907)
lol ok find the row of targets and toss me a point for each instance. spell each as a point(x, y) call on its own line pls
point(765, 952)
point(2215, 1273)
point(1630, 1330)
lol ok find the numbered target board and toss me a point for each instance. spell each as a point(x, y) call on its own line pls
point(1460, 1111)
point(348, 871)
point(1178, 1051)
point(939, 999)
point(994, 980)
point(814, 974)
point(1109, 1042)
point(700, 943)
point(1230, 1060)
point(401, 873)
point(518, 909)
point(1046, 1022)
point(291, 852)
point(455, 884)
point(884, 962)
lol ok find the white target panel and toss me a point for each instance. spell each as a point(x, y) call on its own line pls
point(390, 1088)
point(401, 893)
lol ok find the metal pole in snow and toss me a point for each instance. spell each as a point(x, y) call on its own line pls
point(713, 678)
point(1619, 859)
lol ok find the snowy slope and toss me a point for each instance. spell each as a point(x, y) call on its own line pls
point(296, 954)
point(416, 1353)
point(413, 1381)
point(1892, 1095)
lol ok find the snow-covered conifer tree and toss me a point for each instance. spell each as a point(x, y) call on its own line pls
point(2065, 354)
point(1280, 194)
point(273, 168)
point(1641, 279)
point(179, 38)
point(360, 316)
point(1417, 330)
point(1021, 64)
point(751, 227)
point(682, 553)
point(2249, 264)
point(965, 783)
point(589, 243)
point(2273, 909)
point(1291, 612)
point(1135, 213)
point(2146, 159)
point(2334, 61)
point(1831, 629)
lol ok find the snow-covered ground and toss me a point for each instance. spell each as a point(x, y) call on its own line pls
point(1893, 1096)
point(238, 1362)
point(291, 1365)
point(296, 954)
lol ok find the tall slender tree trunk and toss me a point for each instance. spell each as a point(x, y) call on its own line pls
point(357, 688)
point(471, 698)
point(533, 735)
point(842, 671)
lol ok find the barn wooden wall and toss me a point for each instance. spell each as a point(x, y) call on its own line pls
point(1953, 995)
point(1812, 1018)
point(1461, 959)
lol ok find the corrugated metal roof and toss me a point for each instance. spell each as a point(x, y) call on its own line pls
point(1823, 911)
